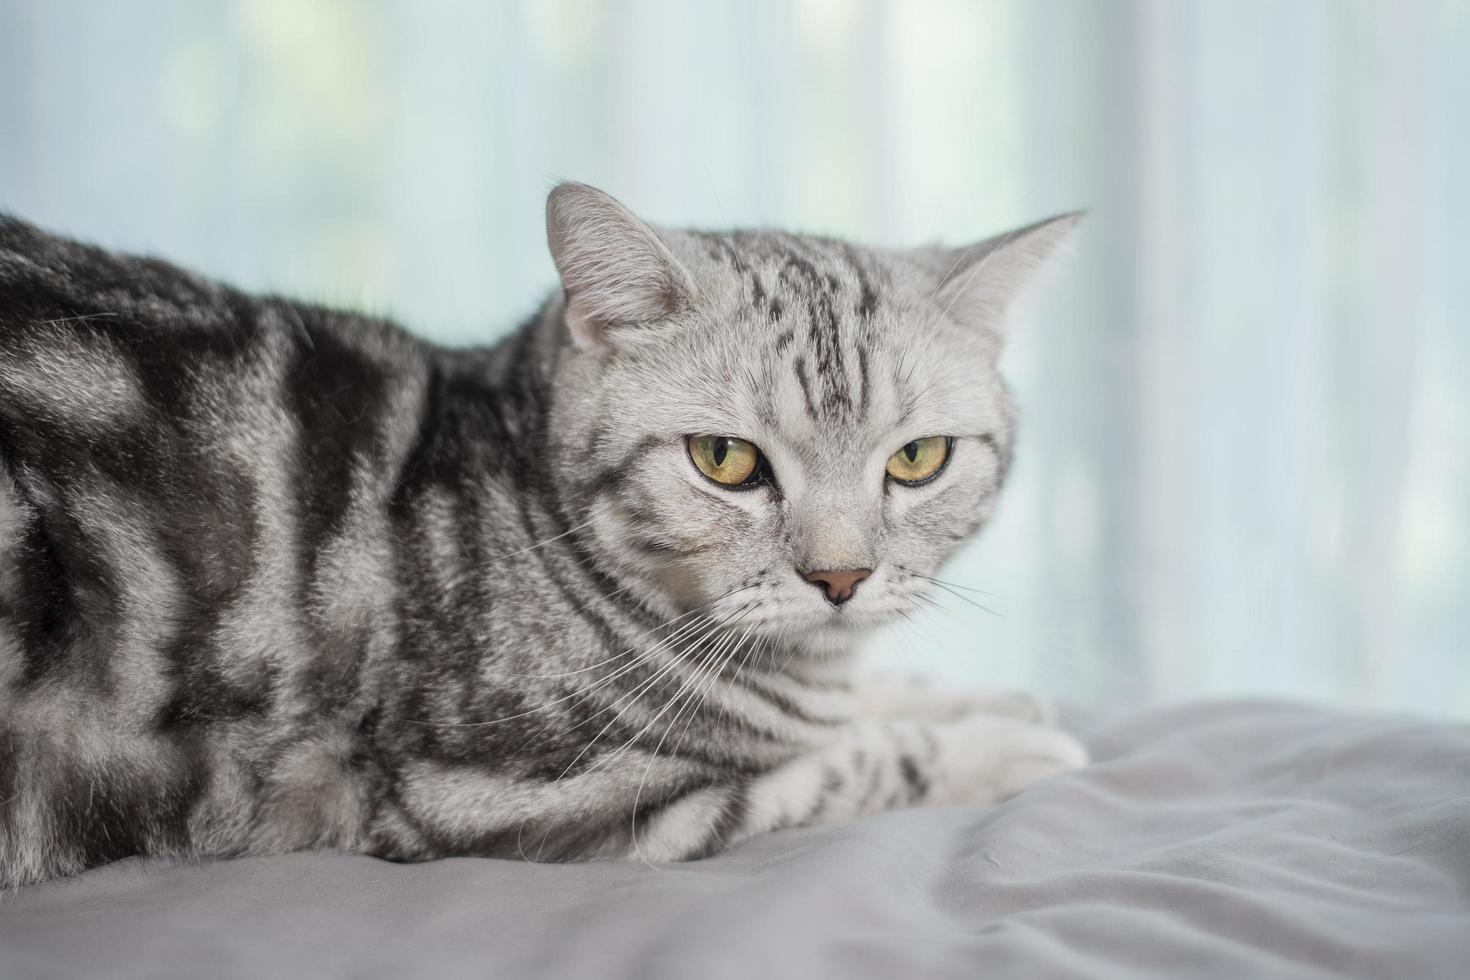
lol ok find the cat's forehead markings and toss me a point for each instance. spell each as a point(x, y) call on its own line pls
point(777, 269)
point(822, 300)
point(815, 304)
point(735, 252)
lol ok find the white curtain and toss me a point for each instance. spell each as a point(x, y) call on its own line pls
point(1245, 460)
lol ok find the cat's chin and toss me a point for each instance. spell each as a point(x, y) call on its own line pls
point(831, 642)
point(836, 633)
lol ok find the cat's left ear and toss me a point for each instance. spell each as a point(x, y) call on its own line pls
point(980, 282)
point(616, 271)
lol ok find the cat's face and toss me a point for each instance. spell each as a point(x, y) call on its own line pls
point(790, 434)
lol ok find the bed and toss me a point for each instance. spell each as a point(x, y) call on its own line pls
point(1219, 840)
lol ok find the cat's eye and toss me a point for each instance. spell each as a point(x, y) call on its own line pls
point(920, 461)
point(726, 460)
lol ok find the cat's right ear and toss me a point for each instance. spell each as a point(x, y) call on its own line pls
point(983, 280)
point(615, 270)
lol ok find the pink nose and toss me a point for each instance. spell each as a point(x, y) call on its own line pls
point(838, 583)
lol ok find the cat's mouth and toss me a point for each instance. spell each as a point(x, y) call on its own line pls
point(856, 619)
point(837, 631)
point(843, 622)
point(780, 610)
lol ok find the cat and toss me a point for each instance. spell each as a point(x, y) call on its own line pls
point(275, 577)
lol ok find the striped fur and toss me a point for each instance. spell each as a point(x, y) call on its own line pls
point(276, 577)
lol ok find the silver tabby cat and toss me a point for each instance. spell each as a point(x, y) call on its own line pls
point(276, 577)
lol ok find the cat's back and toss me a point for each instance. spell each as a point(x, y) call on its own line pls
point(93, 342)
point(181, 462)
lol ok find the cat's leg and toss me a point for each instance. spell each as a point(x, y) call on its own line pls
point(894, 695)
point(873, 766)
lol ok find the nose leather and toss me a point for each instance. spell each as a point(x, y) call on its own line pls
point(838, 583)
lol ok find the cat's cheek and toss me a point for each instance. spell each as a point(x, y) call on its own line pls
point(920, 540)
point(681, 588)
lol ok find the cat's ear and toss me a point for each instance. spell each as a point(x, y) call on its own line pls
point(614, 269)
point(981, 281)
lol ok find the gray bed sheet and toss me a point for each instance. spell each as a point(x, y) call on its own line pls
point(1224, 840)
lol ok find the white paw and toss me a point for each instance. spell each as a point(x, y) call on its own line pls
point(987, 758)
point(922, 698)
point(1012, 704)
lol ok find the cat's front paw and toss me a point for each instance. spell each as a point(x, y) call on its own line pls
point(924, 698)
point(988, 758)
point(1010, 704)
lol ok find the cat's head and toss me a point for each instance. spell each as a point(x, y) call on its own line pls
point(791, 433)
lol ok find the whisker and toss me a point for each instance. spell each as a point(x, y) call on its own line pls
point(922, 646)
point(541, 544)
point(709, 686)
point(790, 657)
point(655, 629)
point(762, 646)
point(964, 598)
point(637, 661)
point(475, 572)
point(704, 658)
point(955, 585)
point(642, 783)
point(586, 690)
point(1074, 662)
point(631, 698)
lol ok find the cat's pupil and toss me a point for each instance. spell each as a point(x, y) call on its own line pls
point(911, 451)
point(722, 449)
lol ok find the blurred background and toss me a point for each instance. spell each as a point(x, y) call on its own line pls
point(1245, 458)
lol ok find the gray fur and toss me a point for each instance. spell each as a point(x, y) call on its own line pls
point(275, 577)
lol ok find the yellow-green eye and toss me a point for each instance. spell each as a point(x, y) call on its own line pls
point(724, 459)
point(920, 460)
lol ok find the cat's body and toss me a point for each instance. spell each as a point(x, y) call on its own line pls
point(274, 577)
